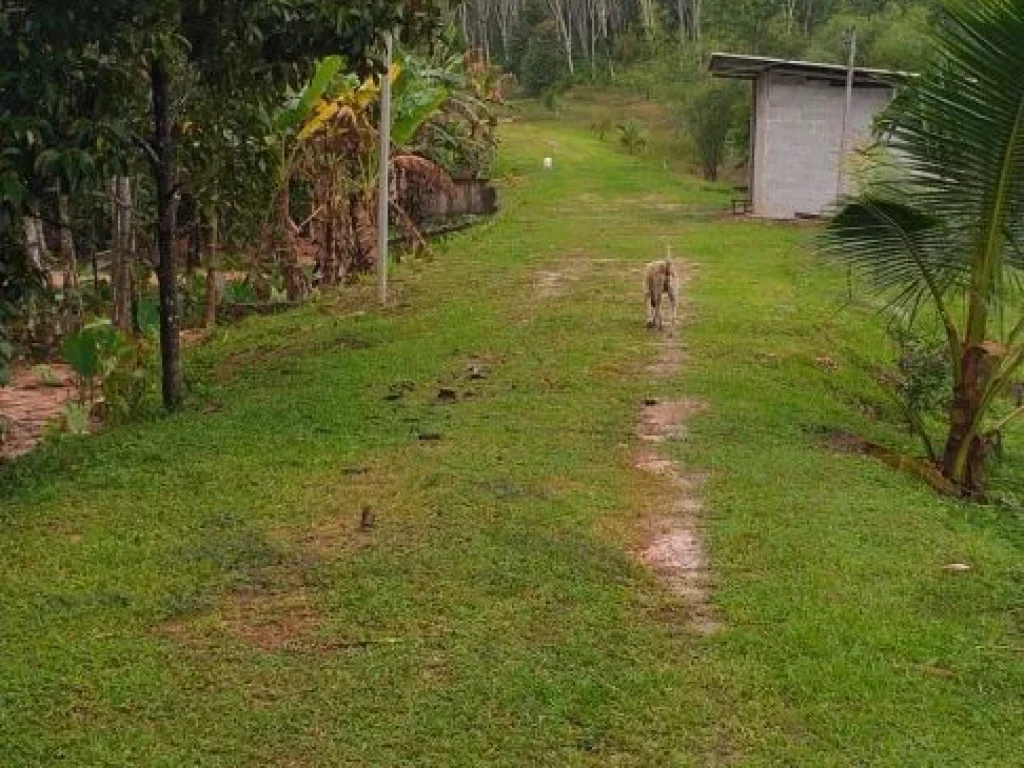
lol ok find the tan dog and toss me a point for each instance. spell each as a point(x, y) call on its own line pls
point(661, 278)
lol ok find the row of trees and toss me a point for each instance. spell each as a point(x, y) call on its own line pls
point(151, 127)
point(603, 32)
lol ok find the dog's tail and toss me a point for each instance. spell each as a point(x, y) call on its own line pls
point(668, 259)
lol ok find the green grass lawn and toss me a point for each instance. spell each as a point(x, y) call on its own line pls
point(197, 591)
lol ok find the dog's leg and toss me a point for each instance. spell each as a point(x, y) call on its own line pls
point(649, 299)
point(673, 298)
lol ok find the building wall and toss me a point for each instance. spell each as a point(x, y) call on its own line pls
point(797, 135)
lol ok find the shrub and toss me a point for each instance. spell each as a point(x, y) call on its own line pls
point(711, 114)
point(127, 371)
point(602, 125)
point(632, 137)
point(543, 65)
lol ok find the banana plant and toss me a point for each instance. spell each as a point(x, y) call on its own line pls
point(285, 142)
point(340, 140)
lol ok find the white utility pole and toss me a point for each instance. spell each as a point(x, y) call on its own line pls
point(846, 112)
point(385, 186)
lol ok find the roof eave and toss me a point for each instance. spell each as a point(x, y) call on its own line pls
point(743, 67)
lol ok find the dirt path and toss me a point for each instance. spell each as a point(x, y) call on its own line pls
point(674, 536)
point(29, 403)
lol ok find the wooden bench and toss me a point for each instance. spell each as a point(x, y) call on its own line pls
point(741, 202)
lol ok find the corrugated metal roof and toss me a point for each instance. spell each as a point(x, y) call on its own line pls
point(750, 67)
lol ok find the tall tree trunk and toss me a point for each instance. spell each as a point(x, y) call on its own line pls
point(166, 204)
point(34, 245)
point(41, 239)
point(122, 253)
point(213, 277)
point(563, 32)
point(963, 460)
point(68, 255)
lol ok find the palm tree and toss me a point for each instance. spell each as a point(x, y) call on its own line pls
point(947, 230)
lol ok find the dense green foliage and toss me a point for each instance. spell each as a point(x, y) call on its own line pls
point(594, 37)
point(225, 608)
point(660, 48)
point(711, 114)
point(542, 67)
point(942, 227)
point(173, 90)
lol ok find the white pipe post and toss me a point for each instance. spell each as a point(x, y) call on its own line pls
point(846, 112)
point(848, 107)
point(384, 192)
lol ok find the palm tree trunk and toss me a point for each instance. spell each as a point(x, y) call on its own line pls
point(964, 456)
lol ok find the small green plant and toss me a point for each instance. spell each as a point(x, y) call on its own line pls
point(147, 315)
point(550, 99)
point(239, 292)
point(602, 126)
point(633, 137)
point(130, 385)
point(75, 420)
point(99, 352)
point(924, 383)
point(84, 351)
point(48, 376)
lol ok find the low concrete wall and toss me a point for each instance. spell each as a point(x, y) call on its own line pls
point(471, 197)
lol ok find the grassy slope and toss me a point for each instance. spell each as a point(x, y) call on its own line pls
point(493, 616)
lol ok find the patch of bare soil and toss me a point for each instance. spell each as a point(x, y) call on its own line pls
point(669, 360)
point(846, 442)
point(271, 622)
point(28, 404)
point(266, 621)
point(840, 441)
point(551, 283)
point(674, 541)
point(662, 421)
point(329, 536)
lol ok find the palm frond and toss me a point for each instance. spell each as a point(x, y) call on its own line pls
point(895, 244)
point(903, 251)
point(960, 129)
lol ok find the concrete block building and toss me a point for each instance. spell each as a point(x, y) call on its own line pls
point(797, 128)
